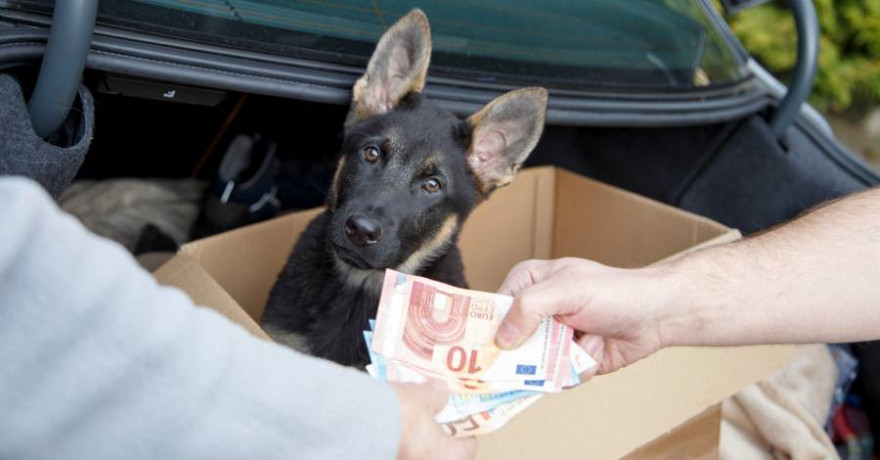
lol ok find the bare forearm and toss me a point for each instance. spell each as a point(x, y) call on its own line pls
point(816, 279)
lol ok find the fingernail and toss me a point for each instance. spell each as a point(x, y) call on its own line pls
point(508, 335)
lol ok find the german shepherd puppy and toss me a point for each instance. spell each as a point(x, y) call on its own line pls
point(409, 175)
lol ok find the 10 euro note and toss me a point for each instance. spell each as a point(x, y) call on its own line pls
point(449, 333)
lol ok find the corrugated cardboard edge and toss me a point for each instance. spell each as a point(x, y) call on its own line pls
point(699, 438)
point(545, 207)
point(490, 250)
point(264, 261)
point(182, 270)
point(616, 227)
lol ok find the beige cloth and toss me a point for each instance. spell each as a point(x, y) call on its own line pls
point(120, 208)
point(783, 416)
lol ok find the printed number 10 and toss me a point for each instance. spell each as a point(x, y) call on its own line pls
point(457, 359)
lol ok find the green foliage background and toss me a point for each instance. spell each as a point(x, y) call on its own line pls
point(849, 58)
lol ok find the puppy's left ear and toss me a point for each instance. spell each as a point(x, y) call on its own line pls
point(504, 134)
point(398, 66)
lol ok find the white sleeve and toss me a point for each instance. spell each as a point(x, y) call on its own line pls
point(99, 361)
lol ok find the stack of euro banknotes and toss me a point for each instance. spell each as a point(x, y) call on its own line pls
point(429, 330)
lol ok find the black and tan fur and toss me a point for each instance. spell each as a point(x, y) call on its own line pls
point(409, 176)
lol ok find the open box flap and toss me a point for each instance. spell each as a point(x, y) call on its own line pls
point(251, 257)
point(619, 228)
point(698, 439)
point(183, 272)
point(515, 224)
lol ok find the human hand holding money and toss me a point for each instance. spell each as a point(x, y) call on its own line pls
point(428, 330)
point(420, 437)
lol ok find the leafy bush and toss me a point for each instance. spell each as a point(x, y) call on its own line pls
point(849, 58)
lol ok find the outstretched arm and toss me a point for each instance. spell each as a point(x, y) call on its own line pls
point(815, 279)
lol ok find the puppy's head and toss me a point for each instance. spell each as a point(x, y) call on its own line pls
point(410, 172)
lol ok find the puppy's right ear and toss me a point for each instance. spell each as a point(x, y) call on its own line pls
point(398, 66)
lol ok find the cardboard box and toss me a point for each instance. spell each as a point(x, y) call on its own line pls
point(664, 406)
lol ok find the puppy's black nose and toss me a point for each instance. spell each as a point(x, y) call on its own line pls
point(362, 231)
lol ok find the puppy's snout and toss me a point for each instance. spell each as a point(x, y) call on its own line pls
point(363, 231)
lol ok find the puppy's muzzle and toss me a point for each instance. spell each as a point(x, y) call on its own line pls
point(363, 231)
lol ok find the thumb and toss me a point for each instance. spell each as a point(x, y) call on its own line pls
point(435, 394)
point(529, 308)
point(594, 345)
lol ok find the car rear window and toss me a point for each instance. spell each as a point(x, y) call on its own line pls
point(565, 44)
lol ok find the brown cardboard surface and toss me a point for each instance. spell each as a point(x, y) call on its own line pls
point(614, 414)
point(545, 213)
point(246, 262)
point(698, 439)
point(514, 224)
point(185, 273)
point(548, 213)
point(615, 227)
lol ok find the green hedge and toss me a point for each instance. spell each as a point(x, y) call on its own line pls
point(849, 57)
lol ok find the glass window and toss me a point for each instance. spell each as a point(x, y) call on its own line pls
point(565, 44)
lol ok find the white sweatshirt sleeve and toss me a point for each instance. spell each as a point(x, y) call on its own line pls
point(99, 361)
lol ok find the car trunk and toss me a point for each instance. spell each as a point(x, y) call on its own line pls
point(735, 172)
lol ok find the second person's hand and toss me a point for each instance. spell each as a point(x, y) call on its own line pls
point(614, 311)
point(421, 437)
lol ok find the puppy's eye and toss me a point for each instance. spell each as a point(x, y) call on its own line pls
point(432, 185)
point(371, 154)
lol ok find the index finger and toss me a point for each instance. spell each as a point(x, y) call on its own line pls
point(523, 275)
